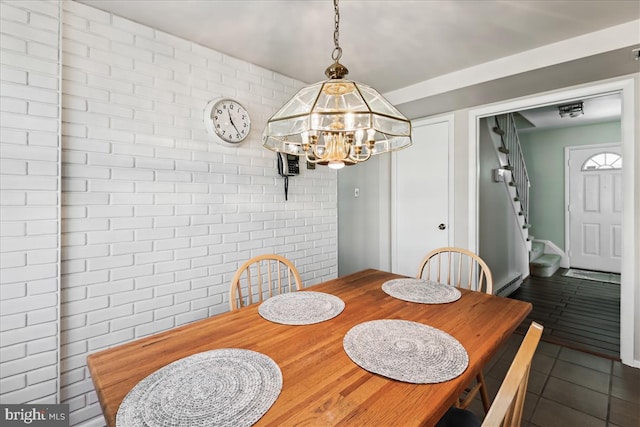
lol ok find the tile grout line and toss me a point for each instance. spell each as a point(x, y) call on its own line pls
point(609, 393)
point(544, 385)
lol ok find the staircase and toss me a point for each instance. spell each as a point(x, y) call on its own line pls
point(514, 170)
point(542, 264)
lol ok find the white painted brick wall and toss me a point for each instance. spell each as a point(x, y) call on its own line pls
point(156, 216)
point(29, 218)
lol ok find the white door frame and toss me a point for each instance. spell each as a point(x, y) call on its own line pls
point(567, 188)
point(449, 119)
point(629, 274)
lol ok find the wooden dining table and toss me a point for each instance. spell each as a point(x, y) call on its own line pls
point(322, 386)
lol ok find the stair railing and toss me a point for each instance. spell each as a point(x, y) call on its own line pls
point(506, 128)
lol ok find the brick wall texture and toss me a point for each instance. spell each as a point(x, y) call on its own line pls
point(29, 202)
point(120, 215)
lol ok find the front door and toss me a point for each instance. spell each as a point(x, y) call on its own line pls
point(421, 188)
point(595, 208)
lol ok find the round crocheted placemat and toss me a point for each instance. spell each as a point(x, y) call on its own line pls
point(422, 291)
point(301, 308)
point(225, 387)
point(406, 351)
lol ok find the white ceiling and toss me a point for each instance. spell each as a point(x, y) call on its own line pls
point(595, 109)
point(387, 44)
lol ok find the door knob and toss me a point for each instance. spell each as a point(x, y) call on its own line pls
point(442, 226)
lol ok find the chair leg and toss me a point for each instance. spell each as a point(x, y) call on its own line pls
point(471, 392)
point(486, 403)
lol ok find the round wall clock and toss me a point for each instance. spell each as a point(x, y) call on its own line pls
point(227, 121)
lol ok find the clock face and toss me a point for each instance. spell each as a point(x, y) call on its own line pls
point(227, 120)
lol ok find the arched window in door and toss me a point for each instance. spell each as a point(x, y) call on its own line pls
point(603, 161)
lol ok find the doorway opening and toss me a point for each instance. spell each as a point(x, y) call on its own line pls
point(625, 89)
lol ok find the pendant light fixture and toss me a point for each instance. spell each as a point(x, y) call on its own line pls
point(337, 122)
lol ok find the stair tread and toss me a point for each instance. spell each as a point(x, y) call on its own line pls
point(537, 250)
point(546, 260)
point(537, 247)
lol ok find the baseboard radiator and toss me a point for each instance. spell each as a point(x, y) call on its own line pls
point(510, 287)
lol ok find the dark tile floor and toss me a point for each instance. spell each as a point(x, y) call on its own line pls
point(570, 388)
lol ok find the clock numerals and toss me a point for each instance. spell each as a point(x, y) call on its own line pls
point(228, 121)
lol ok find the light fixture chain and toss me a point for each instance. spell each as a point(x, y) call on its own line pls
point(337, 51)
point(326, 123)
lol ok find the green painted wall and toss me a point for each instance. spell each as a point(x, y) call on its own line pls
point(544, 155)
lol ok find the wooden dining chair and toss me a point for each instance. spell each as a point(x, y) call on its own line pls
point(507, 407)
point(262, 277)
point(461, 268)
point(457, 267)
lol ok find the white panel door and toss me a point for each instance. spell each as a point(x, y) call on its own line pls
point(595, 208)
point(421, 188)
